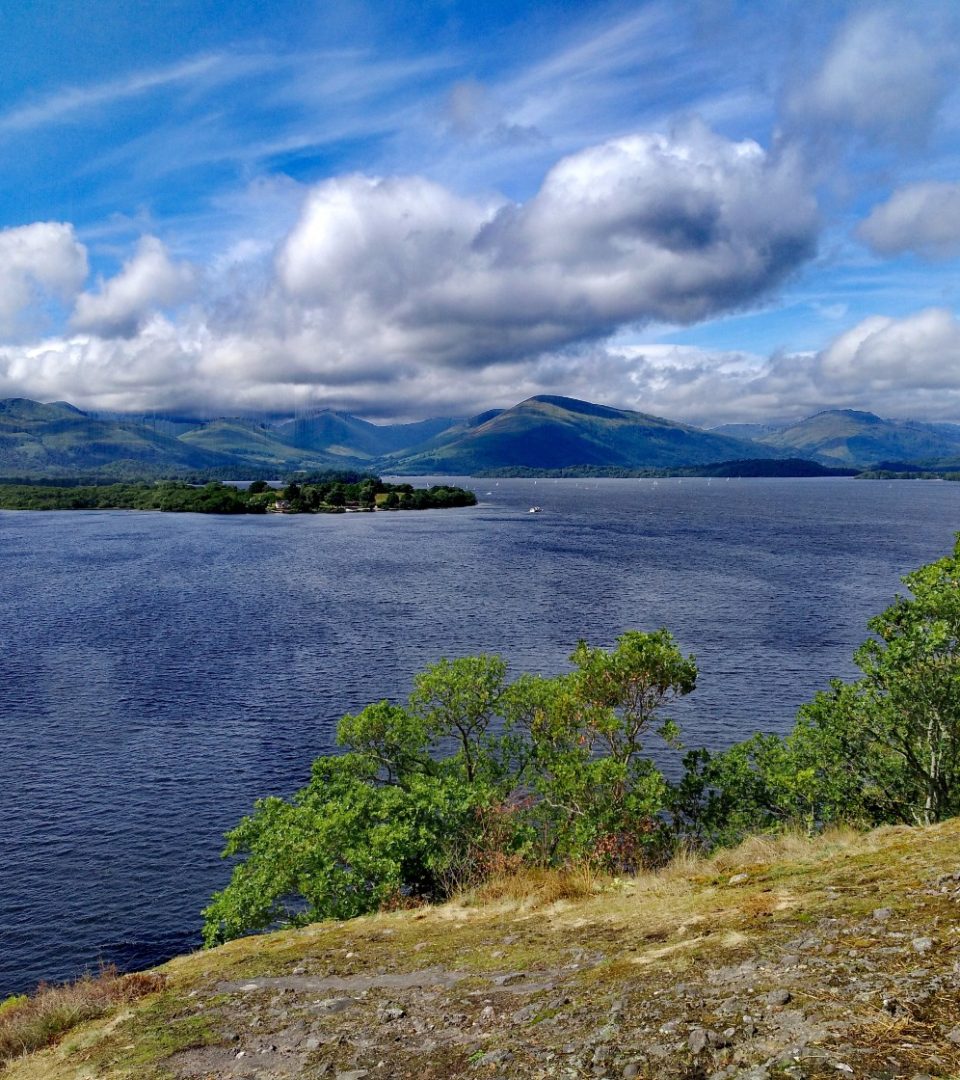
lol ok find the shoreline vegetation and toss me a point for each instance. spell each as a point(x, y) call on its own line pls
point(826, 858)
point(325, 493)
point(478, 774)
point(747, 468)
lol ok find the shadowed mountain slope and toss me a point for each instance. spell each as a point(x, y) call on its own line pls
point(558, 432)
point(257, 445)
point(343, 435)
point(850, 437)
point(60, 440)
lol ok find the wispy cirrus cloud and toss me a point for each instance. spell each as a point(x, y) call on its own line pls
point(62, 105)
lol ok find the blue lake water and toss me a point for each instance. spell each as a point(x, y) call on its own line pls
point(158, 672)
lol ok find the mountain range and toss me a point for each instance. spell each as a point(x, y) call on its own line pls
point(546, 432)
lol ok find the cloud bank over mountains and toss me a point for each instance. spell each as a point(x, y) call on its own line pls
point(399, 281)
point(398, 293)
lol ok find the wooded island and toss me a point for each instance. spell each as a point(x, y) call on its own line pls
point(328, 493)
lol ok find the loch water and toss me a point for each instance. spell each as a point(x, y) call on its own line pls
point(158, 672)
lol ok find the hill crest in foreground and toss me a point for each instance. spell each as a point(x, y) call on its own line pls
point(783, 958)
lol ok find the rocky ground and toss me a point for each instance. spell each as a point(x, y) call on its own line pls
point(838, 957)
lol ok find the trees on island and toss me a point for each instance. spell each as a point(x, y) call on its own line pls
point(331, 493)
point(477, 775)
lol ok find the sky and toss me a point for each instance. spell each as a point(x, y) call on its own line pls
point(712, 210)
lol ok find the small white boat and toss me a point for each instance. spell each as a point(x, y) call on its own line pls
point(535, 510)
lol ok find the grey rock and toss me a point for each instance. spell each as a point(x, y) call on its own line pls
point(738, 879)
point(630, 1071)
point(698, 1040)
point(353, 1074)
point(778, 997)
point(602, 1053)
point(495, 1057)
point(528, 1012)
point(882, 914)
point(922, 945)
point(509, 980)
point(387, 1014)
point(954, 1036)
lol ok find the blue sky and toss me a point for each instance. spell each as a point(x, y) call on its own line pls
point(710, 210)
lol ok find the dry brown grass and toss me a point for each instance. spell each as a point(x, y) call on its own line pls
point(785, 847)
point(536, 887)
point(29, 1023)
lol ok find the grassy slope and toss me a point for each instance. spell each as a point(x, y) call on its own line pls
point(250, 443)
point(555, 984)
point(555, 432)
point(340, 433)
point(848, 437)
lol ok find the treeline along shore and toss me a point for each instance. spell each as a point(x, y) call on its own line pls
point(327, 493)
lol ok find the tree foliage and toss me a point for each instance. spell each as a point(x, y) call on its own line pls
point(883, 748)
point(327, 494)
point(474, 774)
point(478, 775)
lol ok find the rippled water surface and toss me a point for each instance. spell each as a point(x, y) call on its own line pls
point(160, 671)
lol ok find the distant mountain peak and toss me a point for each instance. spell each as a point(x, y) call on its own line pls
point(852, 414)
point(575, 405)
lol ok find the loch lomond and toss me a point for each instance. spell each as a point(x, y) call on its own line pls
point(161, 671)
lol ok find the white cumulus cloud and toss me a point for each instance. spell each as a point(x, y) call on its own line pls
point(885, 74)
point(400, 296)
point(918, 353)
point(148, 281)
point(644, 227)
point(922, 218)
point(37, 261)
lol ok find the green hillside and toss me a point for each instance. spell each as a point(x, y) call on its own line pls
point(555, 432)
point(256, 445)
point(850, 437)
point(549, 433)
point(59, 440)
point(348, 436)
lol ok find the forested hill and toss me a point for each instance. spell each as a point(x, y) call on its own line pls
point(546, 433)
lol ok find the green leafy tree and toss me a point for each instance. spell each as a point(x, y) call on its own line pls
point(460, 700)
point(898, 727)
point(884, 748)
point(590, 767)
point(475, 775)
